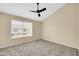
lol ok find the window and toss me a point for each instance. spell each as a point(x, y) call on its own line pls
point(20, 29)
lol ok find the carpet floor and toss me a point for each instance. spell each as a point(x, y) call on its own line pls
point(38, 48)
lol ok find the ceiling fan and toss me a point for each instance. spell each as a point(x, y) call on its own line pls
point(39, 11)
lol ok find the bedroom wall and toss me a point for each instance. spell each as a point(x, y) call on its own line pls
point(78, 24)
point(61, 27)
point(5, 38)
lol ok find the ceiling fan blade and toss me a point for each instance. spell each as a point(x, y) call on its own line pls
point(42, 10)
point(34, 11)
point(39, 15)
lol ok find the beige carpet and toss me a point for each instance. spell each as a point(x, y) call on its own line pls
point(38, 48)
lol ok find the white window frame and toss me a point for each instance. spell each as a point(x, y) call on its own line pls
point(20, 29)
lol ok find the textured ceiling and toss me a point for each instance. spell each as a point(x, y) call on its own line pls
point(23, 9)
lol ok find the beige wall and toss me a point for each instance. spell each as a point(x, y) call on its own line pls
point(62, 26)
point(5, 38)
point(78, 25)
